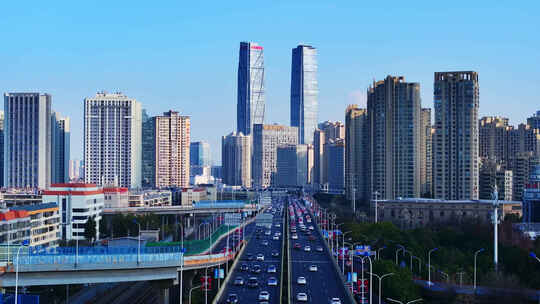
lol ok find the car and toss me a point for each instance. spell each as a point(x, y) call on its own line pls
point(335, 301)
point(244, 267)
point(265, 243)
point(260, 257)
point(295, 236)
point(232, 298)
point(267, 232)
point(278, 225)
point(252, 282)
point(301, 281)
point(319, 249)
point(276, 238)
point(311, 228)
point(239, 281)
point(275, 253)
point(313, 268)
point(250, 257)
point(256, 269)
point(272, 281)
point(277, 233)
point(264, 295)
point(307, 249)
point(271, 269)
point(301, 297)
point(297, 246)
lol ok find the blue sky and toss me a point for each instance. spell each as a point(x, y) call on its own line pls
point(183, 55)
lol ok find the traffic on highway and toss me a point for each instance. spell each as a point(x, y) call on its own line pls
point(256, 277)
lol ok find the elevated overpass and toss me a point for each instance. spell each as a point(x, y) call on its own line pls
point(197, 208)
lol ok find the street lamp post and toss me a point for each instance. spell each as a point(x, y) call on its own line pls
point(379, 252)
point(399, 302)
point(337, 238)
point(397, 251)
point(380, 282)
point(475, 254)
point(410, 255)
point(181, 260)
point(191, 291)
point(343, 248)
point(419, 265)
point(376, 196)
point(429, 264)
point(24, 244)
point(139, 241)
point(370, 277)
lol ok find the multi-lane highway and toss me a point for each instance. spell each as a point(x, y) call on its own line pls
point(256, 278)
point(313, 277)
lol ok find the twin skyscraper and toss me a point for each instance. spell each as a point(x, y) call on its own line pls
point(304, 90)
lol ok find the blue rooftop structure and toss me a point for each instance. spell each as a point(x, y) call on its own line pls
point(35, 207)
point(219, 204)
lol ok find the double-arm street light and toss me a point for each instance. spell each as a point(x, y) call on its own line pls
point(343, 248)
point(397, 251)
point(380, 282)
point(419, 265)
point(379, 252)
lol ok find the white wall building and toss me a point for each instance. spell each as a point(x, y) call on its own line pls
point(77, 202)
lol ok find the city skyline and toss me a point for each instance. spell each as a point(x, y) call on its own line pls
point(177, 76)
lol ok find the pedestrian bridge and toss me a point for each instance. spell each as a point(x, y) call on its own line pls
point(105, 265)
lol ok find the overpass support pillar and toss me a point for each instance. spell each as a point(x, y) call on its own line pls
point(164, 296)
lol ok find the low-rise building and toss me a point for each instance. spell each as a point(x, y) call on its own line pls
point(419, 212)
point(193, 195)
point(150, 198)
point(45, 223)
point(77, 203)
point(116, 197)
point(20, 198)
point(14, 227)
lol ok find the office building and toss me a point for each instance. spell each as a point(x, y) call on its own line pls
point(534, 121)
point(60, 140)
point(148, 142)
point(236, 159)
point(199, 154)
point(304, 92)
point(394, 119)
point(356, 153)
point(266, 139)
point(333, 130)
point(455, 142)
point(27, 140)
point(291, 166)
point(172, 150)
point(318, 157)
point(426, 173)
point(1, 148)
point(523, 166)
point(112, 140)
point(493, 173)
point(77, 203)
point(334, 152)
point(250, 93)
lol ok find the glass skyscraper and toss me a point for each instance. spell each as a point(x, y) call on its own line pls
point(304, 91)
point(250, 106)
point(199, 153)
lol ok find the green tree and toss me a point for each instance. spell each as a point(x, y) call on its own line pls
point(90, 231)
point(399, 286)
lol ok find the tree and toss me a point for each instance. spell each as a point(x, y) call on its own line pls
point(90, 231)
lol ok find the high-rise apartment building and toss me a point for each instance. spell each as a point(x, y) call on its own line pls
point(250, 93)
point(493, 138)
point(328, 131)
point(236, 160)
point(172, 150)
point(60, 153)
point(199, 154)
point(523, 139)
point(112, 140)
point(523, 166)
point(74, 169)
point(493, 173)
point(455, 142)
point(148, 165)
point(356, 153)
point(27, 140)
point(304, 92)
point(334, 151)
point(534, 121)
point(394, 118)
point(291, 165)
point(426, 176)
point(266, 139)
point(333, 130)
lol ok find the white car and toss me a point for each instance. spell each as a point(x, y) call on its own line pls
point(311, 227)
point(260, 257)
point(307, 249)
point(301, 281)
point(301, 297)
point(264, 296)
point(295, 236)
point(313, 268)
point(276, 238)
point(335, 301)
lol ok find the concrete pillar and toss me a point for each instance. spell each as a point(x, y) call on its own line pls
point(164, 296)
